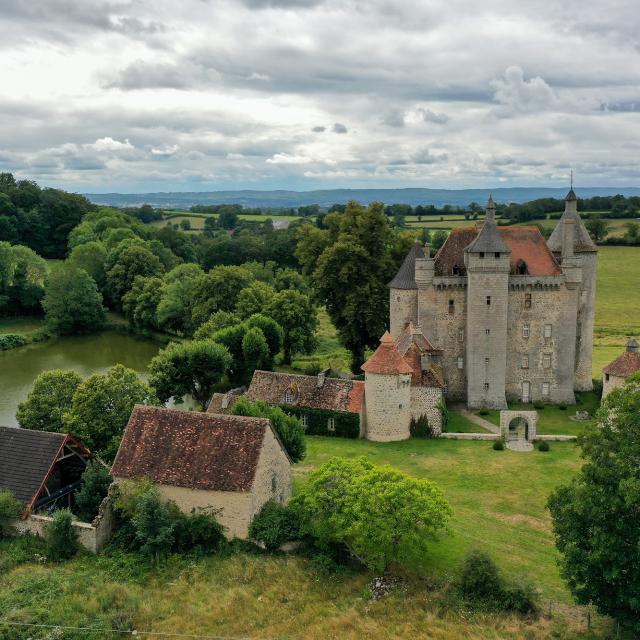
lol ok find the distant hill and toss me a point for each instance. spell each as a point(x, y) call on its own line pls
point(327, 197)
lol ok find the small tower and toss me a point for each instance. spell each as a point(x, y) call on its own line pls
point(578, 256)
point(403, 292)
point(488, 263)
point(387, 388)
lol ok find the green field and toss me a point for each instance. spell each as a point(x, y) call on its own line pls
point(498, 498)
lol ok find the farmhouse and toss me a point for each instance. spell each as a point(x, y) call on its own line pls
point(616, 373)
point(228, 463)
point(41, 469)
point(511, 314)
point(402, 382)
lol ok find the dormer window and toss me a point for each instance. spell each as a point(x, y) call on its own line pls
point(496, 255)
point(289, 396)
point(482, 254)
point(521, 268)
point(457, 270)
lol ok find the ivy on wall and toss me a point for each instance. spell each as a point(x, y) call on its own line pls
point(346, 425)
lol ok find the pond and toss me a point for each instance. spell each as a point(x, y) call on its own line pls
point(84, 354)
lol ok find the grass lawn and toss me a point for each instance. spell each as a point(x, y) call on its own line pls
point(459, 424)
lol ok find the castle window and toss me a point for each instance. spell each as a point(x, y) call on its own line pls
point(486, 360)
point(526, 330)
point(274, 484)
point(289, 396)
point(488, 301)
point(547, 330)
point(606, 377)
point(546, 361)
point(482, 254)
point(461, 334)
point(457, 270)
point(452, 307)
point(521, 268)
point(331, 424)
point(545, 389)
point(527, 301)
point(460, 363)
point(525, 362)
point(486, 386)
point(487, 332)
point(304, 421)
point(496, 255)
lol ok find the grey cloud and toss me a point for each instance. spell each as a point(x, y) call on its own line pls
point(339, 128)
point(319, 129)
point(432, 116)
point(394, 118)
point(144, 75)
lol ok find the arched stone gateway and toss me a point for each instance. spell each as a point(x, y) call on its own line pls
point(518, 428)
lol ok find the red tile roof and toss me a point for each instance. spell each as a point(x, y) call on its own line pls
point(211, 452)
point(525, 243)
point(386, 359)
point(334, 394)
point(624, 365)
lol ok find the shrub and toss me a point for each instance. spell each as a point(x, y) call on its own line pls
point(479, 578)
point(544, 446)
point(520, 597)
point(274, 525)
point(498, 445)
point(538, 405)
point(94, 487)
point(10, 510)
point(483, 412)
point(153, 524)
point(11, 341)
point(198, 531)
point(61, 537)
point(420, 428)
point(562, 406)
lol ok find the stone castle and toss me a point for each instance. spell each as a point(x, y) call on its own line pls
point(511, 314)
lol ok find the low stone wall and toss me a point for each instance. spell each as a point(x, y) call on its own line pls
point(470, 436)
point(555, 438)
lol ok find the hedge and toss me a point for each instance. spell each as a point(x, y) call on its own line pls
point(11, 341)
point(347, 425)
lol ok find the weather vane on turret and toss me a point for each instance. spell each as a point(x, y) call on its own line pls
point(571, 178)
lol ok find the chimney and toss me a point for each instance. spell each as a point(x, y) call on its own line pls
point(632, 346)
point(321, 378)
point(427, 250)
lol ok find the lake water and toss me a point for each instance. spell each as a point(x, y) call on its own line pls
point(84, 354)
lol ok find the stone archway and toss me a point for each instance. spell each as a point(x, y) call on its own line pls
point(518, 428)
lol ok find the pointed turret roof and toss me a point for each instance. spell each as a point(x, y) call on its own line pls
point(489, 239)
point(386, 360)
point(582, 240)
point(406, 276)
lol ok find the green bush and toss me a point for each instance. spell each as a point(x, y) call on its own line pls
point(198, 531)
point(483, 412)
point(538, 405)
point(10, 510)
point(11, 341)
point(153, 524)
point(94, 487)
point(562, 406)
point(274, 525)
point(520, 597)
point(498, 445)
point(61, 537)
point(420, 428)
point(544, 446)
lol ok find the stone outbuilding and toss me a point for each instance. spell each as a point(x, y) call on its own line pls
point(615, 374)
point(232, 464)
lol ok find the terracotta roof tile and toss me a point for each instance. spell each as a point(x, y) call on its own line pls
point(386, 359)
point(211, 452)
point(335, 394)
point(525, 243)
point(624, 365)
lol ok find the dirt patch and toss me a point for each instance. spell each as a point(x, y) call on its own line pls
point(539, 524)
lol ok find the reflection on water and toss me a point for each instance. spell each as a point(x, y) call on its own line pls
point(84, 354)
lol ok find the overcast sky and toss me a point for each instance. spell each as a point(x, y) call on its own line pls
point(204, 94)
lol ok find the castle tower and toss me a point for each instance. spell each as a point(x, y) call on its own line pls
point(487, 260)
point(571, 244)
point(387, 388)
point(403, 293)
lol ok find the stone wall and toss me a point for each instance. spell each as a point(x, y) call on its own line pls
point(403, 305)
point(612, 383)
point(425, 401)
point(586, 316)
point(531, 417)
point(388, 407)
point(556, 306)
point(273, 475)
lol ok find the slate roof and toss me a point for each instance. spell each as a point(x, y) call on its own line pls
point(386, 359)
point(211, 452)
point(489, 240)
point(406, 276)
point(335, 394)
point(26, 457)
point(582, 239)
point(413, 335)
point(525, 243)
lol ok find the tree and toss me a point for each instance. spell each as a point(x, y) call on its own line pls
point(597, 228)
point(72, 302)
point(140, 303)
point(101, 408)
point(218, 320)
point(438, 239)
point(274, 525)
point(350, 265)
point(255, 350)
point(287, 427)
point(127, 261)
point(174, 309)
point(48, 401)
point(153, 524)
point(595, 517)
point(273, 333)
point(22, 277)
point(381, 515)
point(10, 511)
point(94, 485)
point(91, 256)
point(297, 316)
point(254, 299)
point(61, 537)
point(228, 219)
point(192, 368)
point(632, 233)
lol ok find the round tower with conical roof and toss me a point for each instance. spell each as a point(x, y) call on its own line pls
point(403, 292)
point(387, 393)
